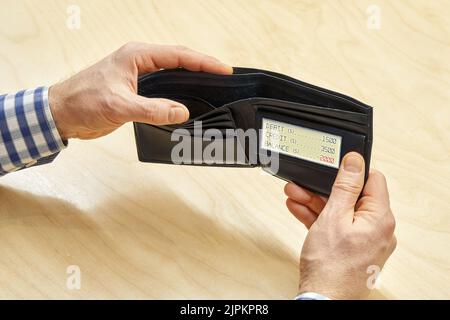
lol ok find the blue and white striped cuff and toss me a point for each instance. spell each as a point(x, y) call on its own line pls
point(311, 296)
point(27, 129)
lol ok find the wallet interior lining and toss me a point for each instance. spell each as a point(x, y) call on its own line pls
point(211, 97)
point(220, 90)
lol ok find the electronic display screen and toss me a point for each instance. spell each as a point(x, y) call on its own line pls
point(299, 142)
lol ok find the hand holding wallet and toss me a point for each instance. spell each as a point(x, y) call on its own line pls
point(309, 128)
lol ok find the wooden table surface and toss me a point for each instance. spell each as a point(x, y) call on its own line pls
point(139, 230)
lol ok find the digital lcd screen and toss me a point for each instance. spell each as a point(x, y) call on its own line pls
point(299, 142)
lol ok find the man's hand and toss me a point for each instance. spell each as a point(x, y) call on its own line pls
point(101, 98)
point(347, 234)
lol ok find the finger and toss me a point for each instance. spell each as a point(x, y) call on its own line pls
point(304, 197)
point(392, 246)
point(155, 111)
point(374, 203)
point(150, 58)
point(166, 57)
point(347, 187)
point(301, 212)
point(376, 187)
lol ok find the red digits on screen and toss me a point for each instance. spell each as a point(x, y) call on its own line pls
point(327, 159)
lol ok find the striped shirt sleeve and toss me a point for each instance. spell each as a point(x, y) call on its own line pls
point(28, 134)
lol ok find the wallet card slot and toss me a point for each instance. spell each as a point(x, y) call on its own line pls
point(221, 118)
point(219, 112)
point(318, 118)
point(314, 90)
point(222, 125)
point(301, 108)
point(212, 118)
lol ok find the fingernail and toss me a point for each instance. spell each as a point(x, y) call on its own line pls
point(353, 163)
point(177, 115)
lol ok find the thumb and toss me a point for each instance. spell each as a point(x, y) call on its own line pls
point(156, 111)
point(347, 187)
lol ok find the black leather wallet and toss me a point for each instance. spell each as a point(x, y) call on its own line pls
point(308, 128)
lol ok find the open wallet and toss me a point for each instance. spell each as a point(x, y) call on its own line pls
point(255, 118)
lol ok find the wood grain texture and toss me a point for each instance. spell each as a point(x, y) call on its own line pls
point(155, 231)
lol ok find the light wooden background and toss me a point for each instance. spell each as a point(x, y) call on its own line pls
point(155, 231)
